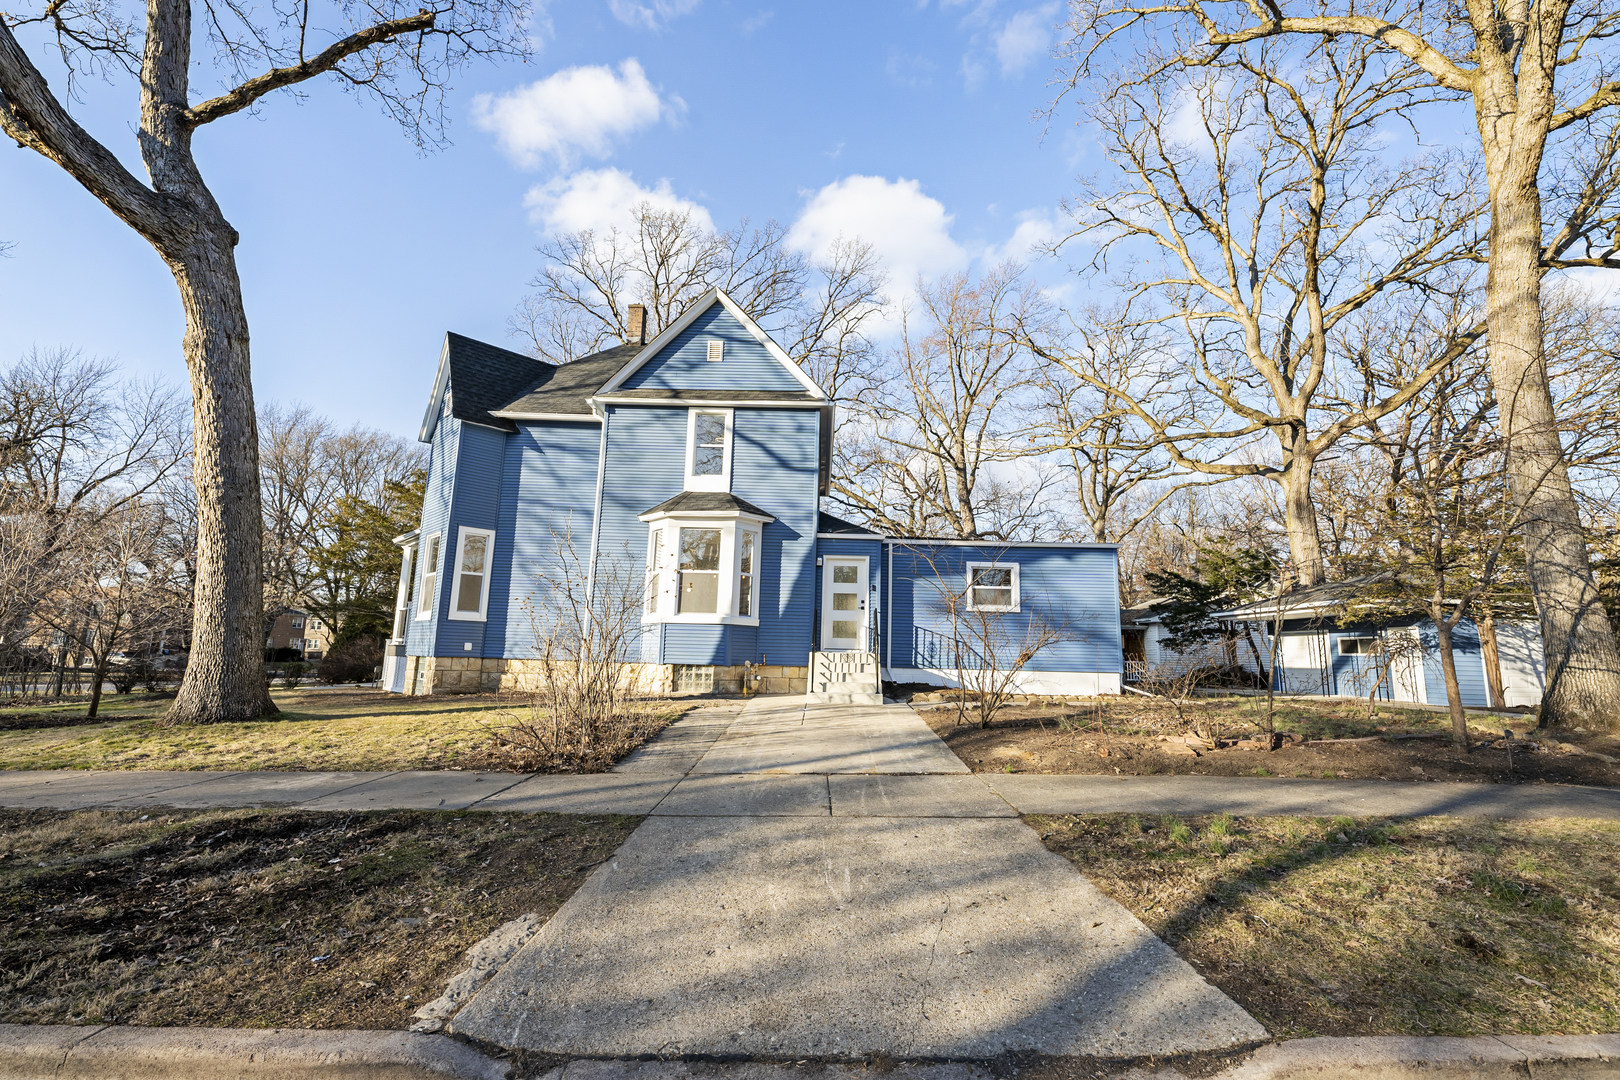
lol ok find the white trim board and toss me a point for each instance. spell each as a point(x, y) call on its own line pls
point(1077, 683)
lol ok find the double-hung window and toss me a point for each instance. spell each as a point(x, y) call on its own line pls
point(470, 598)
point(700, 572)
point(430, 577)
point(708, 450)
point(747, 544)
point(992, 587)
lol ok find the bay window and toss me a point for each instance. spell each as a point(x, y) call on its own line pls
point(703, 566)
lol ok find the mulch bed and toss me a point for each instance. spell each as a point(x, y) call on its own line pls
point(1323, 740)
point(267, 918)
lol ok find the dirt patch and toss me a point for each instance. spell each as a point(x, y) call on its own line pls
point(267, 918)
point(1430, 926)
point(1127, 738)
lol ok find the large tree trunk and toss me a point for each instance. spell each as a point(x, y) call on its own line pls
point(1583, 666)
point(1448, 667)
point(1304, 541)
point(224, 679)
point(1493, 659)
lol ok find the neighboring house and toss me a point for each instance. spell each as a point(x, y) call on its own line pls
point(1316, 655)
point(696, 462)
point(1144, 633)
point(295, 628)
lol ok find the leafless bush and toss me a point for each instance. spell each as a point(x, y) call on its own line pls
point(1174, 684)
point(589, 703)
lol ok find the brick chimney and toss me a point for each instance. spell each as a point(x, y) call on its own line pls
point(638, 325)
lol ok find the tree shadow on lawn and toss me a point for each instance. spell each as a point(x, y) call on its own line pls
point(1379, 926)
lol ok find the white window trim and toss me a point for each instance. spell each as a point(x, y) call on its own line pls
point(1017, 605)
point(426, 606)
point(402, 599)
point(668, 581)
point(482, 613)
point(708, 483)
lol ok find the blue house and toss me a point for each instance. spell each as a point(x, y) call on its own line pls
point(695, 463)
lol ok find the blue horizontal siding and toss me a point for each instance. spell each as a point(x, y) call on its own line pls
point(684, 363)
point(695, 643)
point(475, 503)
point(1075, 589)
point(548, 503)
point(421, 634)
point(1468, 653)
point(774, 462)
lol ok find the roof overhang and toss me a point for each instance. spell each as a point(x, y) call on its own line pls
point(571, 418)
point(430, 419)
point(705, 515)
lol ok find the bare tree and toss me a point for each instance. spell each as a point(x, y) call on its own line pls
point(112, 586)
point(1537, 72)
point(1257, 238)
point(397, 52)
point(590, 700)
point(667, 258)
point(1120, 474)
point(952, 416)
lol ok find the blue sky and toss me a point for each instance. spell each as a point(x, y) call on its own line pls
point(910, 125)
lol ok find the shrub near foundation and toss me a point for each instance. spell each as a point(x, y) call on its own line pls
point(1428, 926)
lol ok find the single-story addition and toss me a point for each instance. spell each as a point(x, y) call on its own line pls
point(1399, 655)
point(694, 465)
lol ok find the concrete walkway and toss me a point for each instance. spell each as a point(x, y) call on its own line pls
point(831, 882)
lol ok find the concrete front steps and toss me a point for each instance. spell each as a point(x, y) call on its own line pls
point(844, 678)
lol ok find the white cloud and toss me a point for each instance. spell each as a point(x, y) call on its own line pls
point(650, 16)
point(1025, 38)
point(755, 23)
point(909, 231)
point(601, 199)
point(579, 110)
point(1035, 229)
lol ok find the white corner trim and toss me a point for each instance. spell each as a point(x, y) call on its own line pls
point(688, 317)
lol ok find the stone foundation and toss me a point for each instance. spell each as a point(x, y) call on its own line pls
point(483, 675)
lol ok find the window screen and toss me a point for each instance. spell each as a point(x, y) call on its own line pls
point(993, 587)
point(470, 586)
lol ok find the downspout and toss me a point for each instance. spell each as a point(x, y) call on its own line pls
point(596, 512)
point(888, 607)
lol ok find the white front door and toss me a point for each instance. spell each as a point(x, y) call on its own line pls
point(843, 604)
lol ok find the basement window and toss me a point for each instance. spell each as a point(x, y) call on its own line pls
point(694, 679)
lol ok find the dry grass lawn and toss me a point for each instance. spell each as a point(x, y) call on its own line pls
point(335, 730)
point(267, 918)
point(1430, 926)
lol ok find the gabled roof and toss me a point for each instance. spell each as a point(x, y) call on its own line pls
point(481, 378)
point(1309, 598)
point(689, 316)
point(707, 502)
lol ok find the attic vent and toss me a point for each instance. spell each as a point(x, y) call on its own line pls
point(717, 350)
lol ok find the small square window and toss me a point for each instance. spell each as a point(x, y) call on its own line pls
point(1357, 646)
point(717, 350)
point(694, 679)
point(992, 587)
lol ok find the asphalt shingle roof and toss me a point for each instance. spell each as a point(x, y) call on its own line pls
point(484, 377)
point(689, 502)
point(569, 388)
point(826, 523)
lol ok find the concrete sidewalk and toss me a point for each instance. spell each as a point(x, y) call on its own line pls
point(815, 904)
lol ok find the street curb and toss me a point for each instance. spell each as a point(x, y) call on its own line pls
point(1522, 1057)
point(50, 1052)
